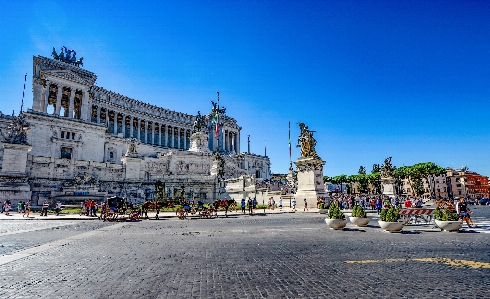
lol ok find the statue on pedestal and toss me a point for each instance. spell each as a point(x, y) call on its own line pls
point(131, 151)
point(199, 124)
point(17, 131)
point(387, 169)
point(306, 142)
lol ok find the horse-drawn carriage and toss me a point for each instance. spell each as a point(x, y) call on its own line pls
point(117, 208)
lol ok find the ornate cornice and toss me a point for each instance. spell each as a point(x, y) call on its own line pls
point(51, 64)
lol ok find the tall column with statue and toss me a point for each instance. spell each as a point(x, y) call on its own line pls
point(309, 170)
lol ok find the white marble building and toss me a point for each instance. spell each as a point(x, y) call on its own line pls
point(80, 130)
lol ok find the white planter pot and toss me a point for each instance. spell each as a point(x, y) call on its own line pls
point(358, 221)
point(391, 226)
point(336, 223)
point(449, 226)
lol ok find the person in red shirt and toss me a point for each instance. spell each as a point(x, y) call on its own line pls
point(408, 203)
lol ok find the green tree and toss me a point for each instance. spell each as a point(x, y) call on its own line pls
point(351, 180)
point(339, 180)
point(375, 180)
point(363, 183)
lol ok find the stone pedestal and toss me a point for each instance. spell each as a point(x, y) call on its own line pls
point(388, 187)
point(132, 167)
point(199, 143)
point(310, 181)
point(15, 158)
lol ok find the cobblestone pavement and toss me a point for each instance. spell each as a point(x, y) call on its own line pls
point(273, 256)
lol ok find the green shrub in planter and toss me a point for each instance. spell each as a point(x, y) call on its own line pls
point(445, 215)
point(389, 215)
point(334, 212)
point(358, 211)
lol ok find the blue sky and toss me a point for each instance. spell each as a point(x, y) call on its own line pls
point(407, 79)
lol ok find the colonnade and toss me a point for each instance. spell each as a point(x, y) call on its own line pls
point(230, 141)
point(146, 131)
point(73, 101)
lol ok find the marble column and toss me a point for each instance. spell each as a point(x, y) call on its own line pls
point(165, 138)
point(178, 137)
point(123, 125)
point(160, 134)
point(115, 122)
point(84, 107)
point(71, 104)
point(131, 120)
point(172, 140)
point(46, 96)
point(98, 114)
point(138, 130)
point(185, 140)
point(58, 99)
point(238, 142)
point(233, 135)
point(152, 133)
point(146, 131)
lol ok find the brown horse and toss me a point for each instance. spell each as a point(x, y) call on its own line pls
point(151, 205)
point(226, 204)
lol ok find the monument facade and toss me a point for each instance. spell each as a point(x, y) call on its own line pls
point(77, 128)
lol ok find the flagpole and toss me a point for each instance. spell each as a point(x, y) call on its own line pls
point(289, 139)
point(23, 91)
point(217, 124)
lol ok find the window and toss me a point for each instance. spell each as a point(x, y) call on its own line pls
point(62, 134)
point(458, 185)
point(66, 152)
point(457, 180)
point(459, 192)
point(111, 155)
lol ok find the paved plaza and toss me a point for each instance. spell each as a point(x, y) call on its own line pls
point(274, 256)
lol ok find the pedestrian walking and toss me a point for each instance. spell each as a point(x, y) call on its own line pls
point(44, 211)
point(58, 208)
point(273, 203)
point(254, 205)
point(306, 206)
point(27, 210)
point(243, 205)
point(280, 203)
point(8, 206)
point(464, 212)
point(249, 203)
point(19, 207)
point(294, 204)
point(379, 205)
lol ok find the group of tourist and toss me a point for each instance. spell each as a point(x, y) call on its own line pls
point(22, 207)
point(250, 203)
point(89, 208)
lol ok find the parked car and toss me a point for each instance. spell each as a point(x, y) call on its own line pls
point(484, 201)
point(470, 201)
